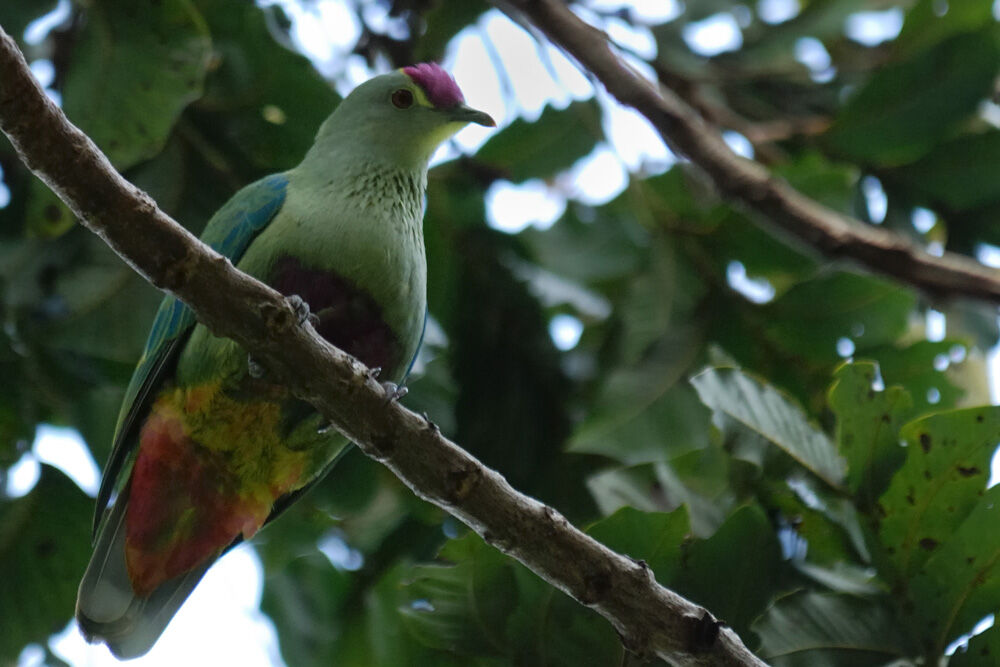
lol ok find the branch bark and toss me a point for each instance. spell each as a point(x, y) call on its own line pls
point(745, 181)
point(649, 618)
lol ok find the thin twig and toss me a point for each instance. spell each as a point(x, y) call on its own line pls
point(686, 131)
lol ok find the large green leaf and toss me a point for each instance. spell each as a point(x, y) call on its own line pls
point(981, 652)
point(16, 16)
point(957, 174)
point(542, 148)
point(443, 21)
point(959, 583)
point(765, 410)
point(303, 599)
point(812, 317)
point(44, 547)
point(734, 572)
point(868, 423)
point(808, 629)
point(462, 607)
point(906, 107)
point(654, 537)
point(926, 24)
point(641, 413)
point(921, 368)
point(511, 410)
point(263, 103)
point(485, 608)
point(657, 487)
point(135, 68)
point(390, 642)
point(944, 475)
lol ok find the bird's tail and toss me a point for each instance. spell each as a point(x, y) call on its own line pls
point(108, 610)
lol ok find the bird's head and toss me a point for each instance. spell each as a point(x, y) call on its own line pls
point(403, 116)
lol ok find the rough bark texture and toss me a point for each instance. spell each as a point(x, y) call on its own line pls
point(747, 182)
point(649, 618)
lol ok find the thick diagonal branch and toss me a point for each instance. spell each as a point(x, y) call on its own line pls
point(745, 181)
point(650, 618)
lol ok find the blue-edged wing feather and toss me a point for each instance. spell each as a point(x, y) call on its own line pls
point(229, 232)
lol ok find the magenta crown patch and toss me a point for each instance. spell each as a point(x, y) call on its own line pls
point(441, 89)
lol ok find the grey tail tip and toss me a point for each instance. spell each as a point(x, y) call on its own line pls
point(107, 608)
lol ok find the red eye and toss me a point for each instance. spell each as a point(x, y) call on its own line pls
point(402, 99)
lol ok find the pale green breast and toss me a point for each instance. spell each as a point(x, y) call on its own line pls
point(351, 244)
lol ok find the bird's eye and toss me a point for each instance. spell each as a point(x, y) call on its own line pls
point(402, 99)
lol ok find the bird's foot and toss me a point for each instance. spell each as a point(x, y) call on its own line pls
point(302, 312)
point(373, 373)
point(393, 391)
point(255, 368)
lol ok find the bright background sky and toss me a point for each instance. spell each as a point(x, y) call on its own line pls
point(221, 620)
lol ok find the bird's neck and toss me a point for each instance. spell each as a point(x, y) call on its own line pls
point(364, 173)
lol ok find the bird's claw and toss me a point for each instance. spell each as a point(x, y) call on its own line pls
point(254, 368)
point(373, 373)
point(302, 312)
point(393, 391)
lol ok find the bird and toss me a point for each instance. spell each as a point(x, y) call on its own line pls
point(207, 449)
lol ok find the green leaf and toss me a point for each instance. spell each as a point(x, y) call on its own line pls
point(809, 629)
point(44, 547)
point(655, 537)
point(810, 318)
point(734, 572)
point(609, 237)
point(263, 103)
point(443, 21)
point(926, 24)
point(916, 367)
point(981, 652)
point(46, 216)
point(16, 16)
point(765, 410)
point(135, 68)
point(641, 413)
point(550, 629)
point(908, 106)
point(303, 598)
point(660, 488)
point(489, 609)
point(390, 642)
point(511, 410)
point(541, 149)
point(956, 174)
point(959, 583)
point(868, 423)
point(945, 473)
point(462, 607)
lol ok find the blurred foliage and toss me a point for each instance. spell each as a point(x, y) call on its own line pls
point(771, 431)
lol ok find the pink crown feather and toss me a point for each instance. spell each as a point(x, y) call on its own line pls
point(441, 89)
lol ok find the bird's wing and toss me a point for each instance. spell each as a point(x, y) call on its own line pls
point(229, 232)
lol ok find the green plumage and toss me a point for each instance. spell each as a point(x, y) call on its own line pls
point(205, 452)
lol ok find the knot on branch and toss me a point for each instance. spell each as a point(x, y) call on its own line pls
point(381, 448)
point(459, 482)
point(277, 317)
point(702, 631)
point(175, 275)
point(596, 586)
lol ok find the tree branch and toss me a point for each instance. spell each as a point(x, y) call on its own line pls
point(680, 126)
point(649, 618)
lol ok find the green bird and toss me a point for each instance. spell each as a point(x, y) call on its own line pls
point(207, 450)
